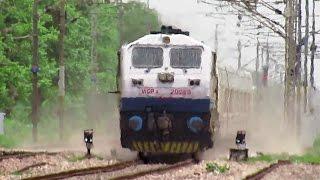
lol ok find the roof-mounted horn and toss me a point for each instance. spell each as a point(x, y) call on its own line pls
point(170, 30)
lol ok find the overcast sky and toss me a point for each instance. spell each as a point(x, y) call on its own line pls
point(189, 15)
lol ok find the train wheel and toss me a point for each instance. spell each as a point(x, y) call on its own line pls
point(197, 156)
point(143, 157)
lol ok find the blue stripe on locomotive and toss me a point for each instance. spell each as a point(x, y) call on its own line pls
point(168, 104)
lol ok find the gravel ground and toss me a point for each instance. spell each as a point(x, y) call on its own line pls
point(54, 163)
point(70, 160)
point(197, 171)
point(237, 170)
point(295, 171)
point(74, 160)
point(128, 170)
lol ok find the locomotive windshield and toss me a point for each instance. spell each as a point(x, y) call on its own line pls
point(185, 57)
point(147, 57)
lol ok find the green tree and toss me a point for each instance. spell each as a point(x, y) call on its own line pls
point(16, 52)
point(138, 20)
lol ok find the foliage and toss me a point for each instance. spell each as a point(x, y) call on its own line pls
point(16, 54)
point(135, 22)
point(216, 168)
point(16, 58)
point(107, 47)
point(15, 133)
point(6, 142)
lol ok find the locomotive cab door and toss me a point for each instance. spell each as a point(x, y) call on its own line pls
point(118, 74)
point(116, 94)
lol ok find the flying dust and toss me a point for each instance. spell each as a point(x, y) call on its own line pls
point(266, 130)
point(98, 112)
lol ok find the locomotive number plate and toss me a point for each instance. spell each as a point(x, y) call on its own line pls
point(165, 92)
point(149, 91)
point(180, 91)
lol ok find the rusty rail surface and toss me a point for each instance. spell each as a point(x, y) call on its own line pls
point(261, 173)
point(161, 169)
point(29, 167)
point(22, 154)
point(85, 171)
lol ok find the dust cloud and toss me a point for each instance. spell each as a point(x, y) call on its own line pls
point(100, 113)
point(266, 130)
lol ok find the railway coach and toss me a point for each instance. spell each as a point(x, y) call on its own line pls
point(168, 94)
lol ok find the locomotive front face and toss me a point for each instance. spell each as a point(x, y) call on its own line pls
point(166, 95)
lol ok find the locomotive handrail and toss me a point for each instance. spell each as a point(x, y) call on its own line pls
point(114, 92)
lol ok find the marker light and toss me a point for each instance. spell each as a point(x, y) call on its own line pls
point(195, 124)
point(88, 139)
point(135, 123)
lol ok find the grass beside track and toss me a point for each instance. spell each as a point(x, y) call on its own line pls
point(308, 158)
point(311, 156)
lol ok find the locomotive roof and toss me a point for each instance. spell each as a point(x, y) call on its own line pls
point(175, 39)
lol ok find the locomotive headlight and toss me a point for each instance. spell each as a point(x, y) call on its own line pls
point(191, 82)
point(170, 77)
point(197, 82)
point(195, 124)
point(166, 77)
point(194, 82)
point(162, 77)
point(135, 123)
point(137, 82)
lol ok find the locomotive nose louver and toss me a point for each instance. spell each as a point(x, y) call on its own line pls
point(166, 77)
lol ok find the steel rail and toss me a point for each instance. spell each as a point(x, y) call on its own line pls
point(22, 154)
point(261, 173)
point(161, 170)
point(85, 171)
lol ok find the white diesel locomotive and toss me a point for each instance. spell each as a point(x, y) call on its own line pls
point(168, 87)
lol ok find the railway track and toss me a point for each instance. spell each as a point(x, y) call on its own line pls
point(160, 169)
point(21, 154)
point(260, 174)
point(112, 168)
point(86, 171)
